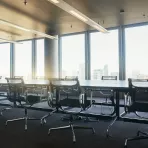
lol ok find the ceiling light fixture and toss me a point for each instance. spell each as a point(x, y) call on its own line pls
point(27, 30)
point(78, 16)
point(9, 41)
point(100, 28)
point(68, 8)
point(55, 1)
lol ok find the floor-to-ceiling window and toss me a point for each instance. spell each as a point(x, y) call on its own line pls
point(23, 59)
point(73, 55)
point(40, 58)
point(5, 60)
point(136, 52)
point(104, 49)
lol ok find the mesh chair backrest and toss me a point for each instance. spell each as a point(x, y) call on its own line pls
point(138, 90)
point(70, 85)
point(109, 77)
point(15, 88)
point(40, 78)
point(67, 86)
point(71, 78)
point(19, 77)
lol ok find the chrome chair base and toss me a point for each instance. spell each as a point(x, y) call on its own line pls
point(20, 119)
point(25, 118)
point(72, 127)
point(107, 131)
point(140, 136)
point(43, 119)
point(5, 109)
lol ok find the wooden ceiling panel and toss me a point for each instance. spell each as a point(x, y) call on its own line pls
point(45, 17)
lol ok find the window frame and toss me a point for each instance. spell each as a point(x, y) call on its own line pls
point(126, 27)
point(60, 50)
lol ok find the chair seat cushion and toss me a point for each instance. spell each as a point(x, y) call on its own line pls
point(73, 103)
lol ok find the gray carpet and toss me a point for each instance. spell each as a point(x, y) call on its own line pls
point(14, 136)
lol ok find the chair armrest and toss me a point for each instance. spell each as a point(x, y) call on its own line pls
point(127, 101)
point(51, 100)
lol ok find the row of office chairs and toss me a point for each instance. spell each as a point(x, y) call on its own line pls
point(21, 96)
point(135, 101)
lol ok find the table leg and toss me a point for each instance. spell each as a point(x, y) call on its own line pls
point(85, 99)
point(117, 104)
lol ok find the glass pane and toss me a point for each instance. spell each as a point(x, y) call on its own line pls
point(40, 58)
point(5, 60)
point(23, 59)
point(136, 52)
point(104, 54)
point(73, 56)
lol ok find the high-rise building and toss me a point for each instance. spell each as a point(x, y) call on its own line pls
point(105, 70)
point(135, 74)
point(97, 74)
point(82, 71)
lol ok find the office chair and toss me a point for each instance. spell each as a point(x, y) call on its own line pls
point(51, 100)
point(66, 117)
point(70, 78)
point(73, 86)
point(106, 93)
point(136, 101)
point(19, 96)
point(42, 90)
point(4, 94)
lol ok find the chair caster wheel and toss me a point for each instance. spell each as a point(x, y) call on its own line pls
point(74, 140)
point(108, 135)
point(49, 132)
point(25, 127)
point(43, 121)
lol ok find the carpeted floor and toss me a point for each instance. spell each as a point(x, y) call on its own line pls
point(14, 136)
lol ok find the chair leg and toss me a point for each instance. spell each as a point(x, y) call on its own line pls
point(58, 128)
point(18, 119)
point(107, 131)
point(73, 133)
point(5, 109)
point(43, 119)
point(72, 128)
point(26, 124)
point(134, 138)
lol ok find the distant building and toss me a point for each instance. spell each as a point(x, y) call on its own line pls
point(105, 70)
point(81, 71)
point(135, 74)
point(114, 74)
point(97, 74)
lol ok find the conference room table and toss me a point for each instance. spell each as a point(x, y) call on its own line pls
point(117, 86)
